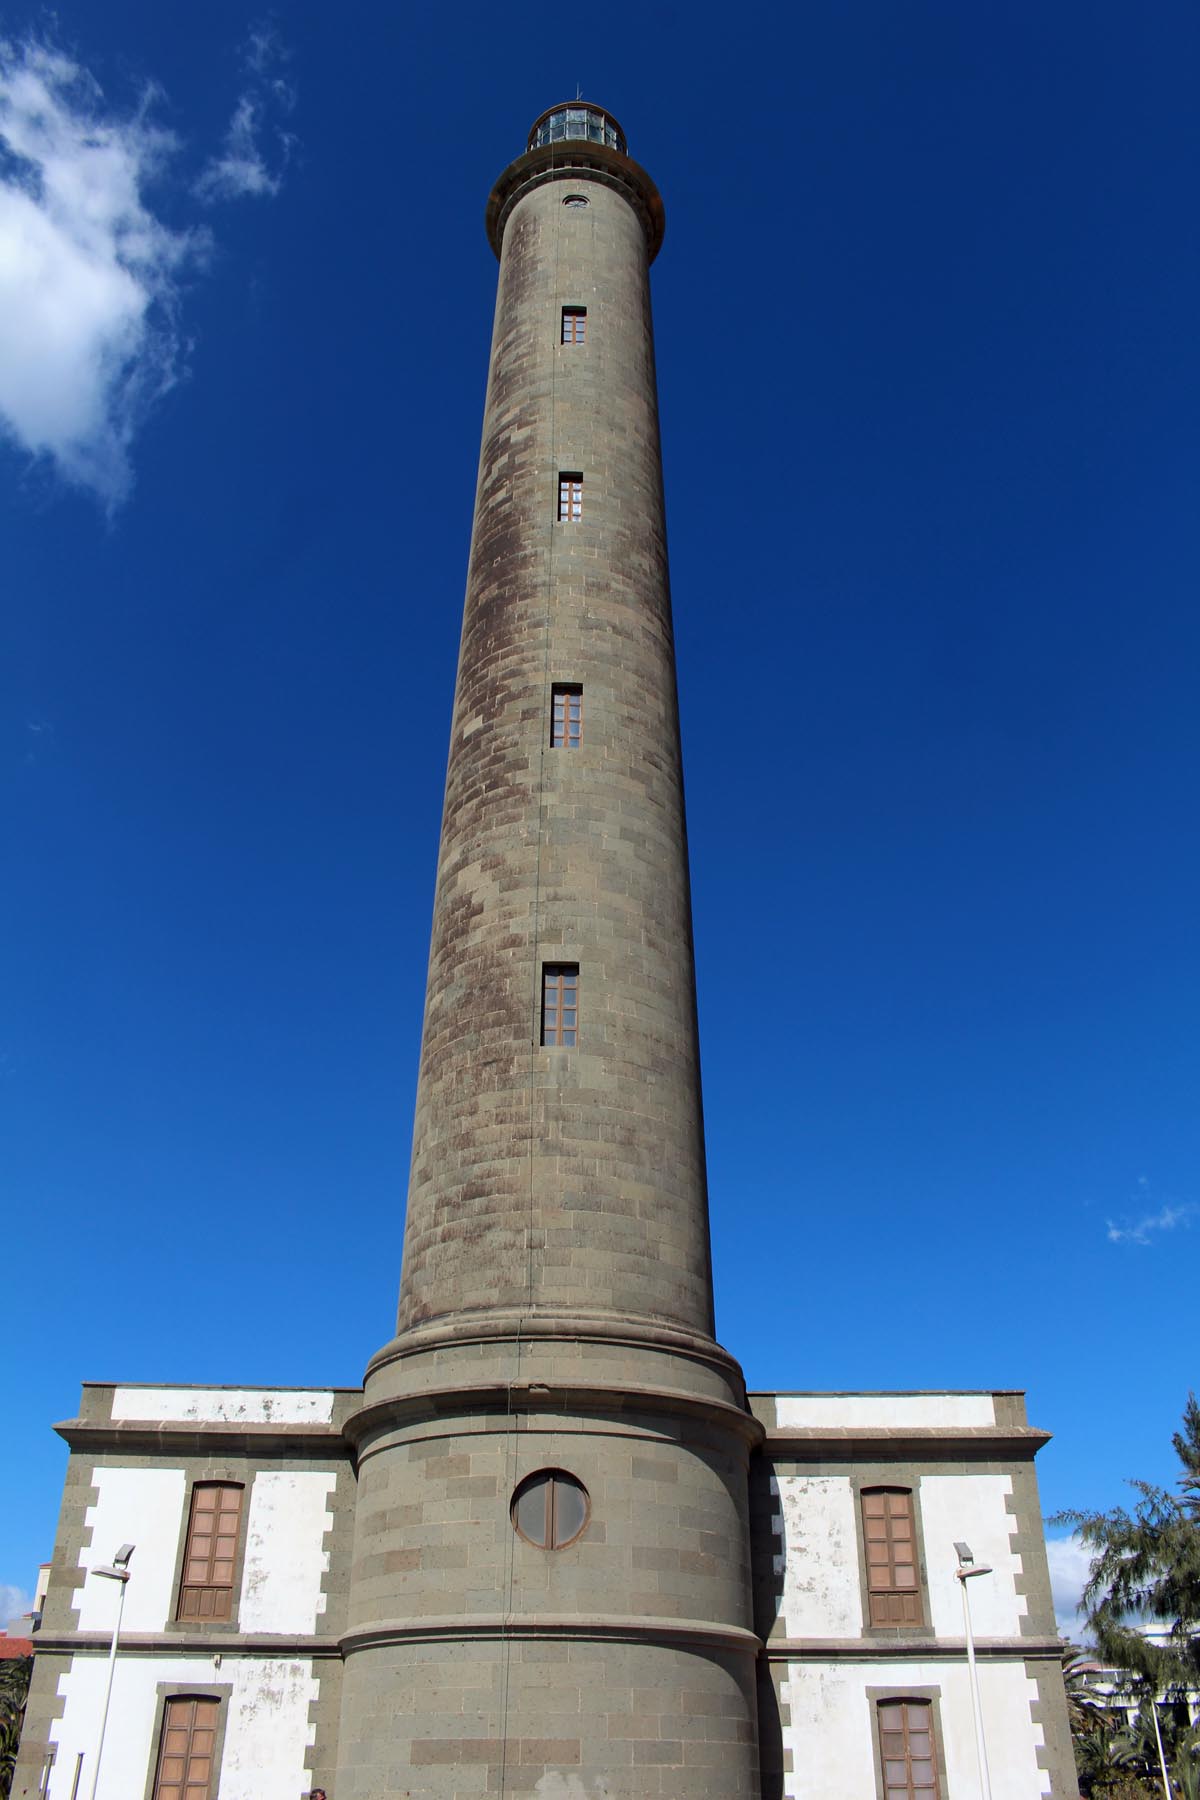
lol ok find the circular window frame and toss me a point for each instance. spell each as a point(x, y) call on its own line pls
point(549, 1477)
point(574, 200)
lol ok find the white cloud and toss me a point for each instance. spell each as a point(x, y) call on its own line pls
point(14, 1601)
point(244, 167)
point(88, 275)
point(264, 54)
point(240, 169)
point(1142, 1230)
point(1070, 1563)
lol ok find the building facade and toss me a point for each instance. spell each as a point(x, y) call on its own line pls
point(551, 1546)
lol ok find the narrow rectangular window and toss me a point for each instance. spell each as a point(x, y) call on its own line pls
point(574, 324)
point(566, 716)
point(570, 495)
point(186, 1750)
point(906, 1750)
point(210, 1554)
point(893, 1579)
point(560, 1005)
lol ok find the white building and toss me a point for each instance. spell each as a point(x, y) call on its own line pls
point(236, 1633)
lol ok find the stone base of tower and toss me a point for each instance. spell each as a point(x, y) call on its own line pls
point(478, 1661)
point(610, 1717)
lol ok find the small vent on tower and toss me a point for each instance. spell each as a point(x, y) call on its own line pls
point(575, 200)
point(570, 494)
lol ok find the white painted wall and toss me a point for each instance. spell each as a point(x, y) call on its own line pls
point(143, 1507)
point(822, 1586)
point(284, 1562)
point(267, 1731)
point(266, 1723)
point(822, 1589)
point(224, 1406)
point(877, 1411)
point(971, 1507)
point(832, 1747)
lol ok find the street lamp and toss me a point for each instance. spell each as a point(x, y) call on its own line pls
point(967, 1568)
point(1162, 1760)
point(117, 1571)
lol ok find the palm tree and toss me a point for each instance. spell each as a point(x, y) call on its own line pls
point(1187, 1763)
point(1105, 1756)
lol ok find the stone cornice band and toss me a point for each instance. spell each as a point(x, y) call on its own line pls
point(910, 1649)
point(632, 1628)
point(552, 162)
point(517, 1325)
point(820, 1444)
point(591, 1399)
point(184, 1643)
point(903, 1443)
point(200, 1438)
point(529, 1626)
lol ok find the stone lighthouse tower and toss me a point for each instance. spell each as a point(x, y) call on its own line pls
point(550, 1590)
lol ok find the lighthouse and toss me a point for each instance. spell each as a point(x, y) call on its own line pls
point(551, 1571)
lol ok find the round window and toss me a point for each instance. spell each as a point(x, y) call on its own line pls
point(550, 1509)
point(575, 200)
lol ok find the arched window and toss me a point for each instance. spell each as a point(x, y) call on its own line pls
point(893, 1573)
point(210, 1555)
point(187, 1748)
point(906, 1749)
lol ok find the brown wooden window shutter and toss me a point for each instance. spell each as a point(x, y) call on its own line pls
point(560, 1005)
point(210, 1555)
point(187, 1750)
point(566, 717)
point(893, 1577)
point(906, 1750)
point(570, 496)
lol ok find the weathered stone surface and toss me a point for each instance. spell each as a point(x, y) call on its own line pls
point(556, 1299)
point(549, 1178)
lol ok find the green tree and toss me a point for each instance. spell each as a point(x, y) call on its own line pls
point(1146, 1571)
point(1146, 1568)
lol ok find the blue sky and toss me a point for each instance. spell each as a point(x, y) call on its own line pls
point(928, 368)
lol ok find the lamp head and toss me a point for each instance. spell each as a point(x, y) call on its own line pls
point(118, 1569)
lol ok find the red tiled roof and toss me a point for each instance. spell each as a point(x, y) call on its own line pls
point(11, 1646)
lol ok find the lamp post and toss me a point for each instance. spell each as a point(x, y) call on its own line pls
point(968, 1568)
point(1162, 1760)
point(118, 1571)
